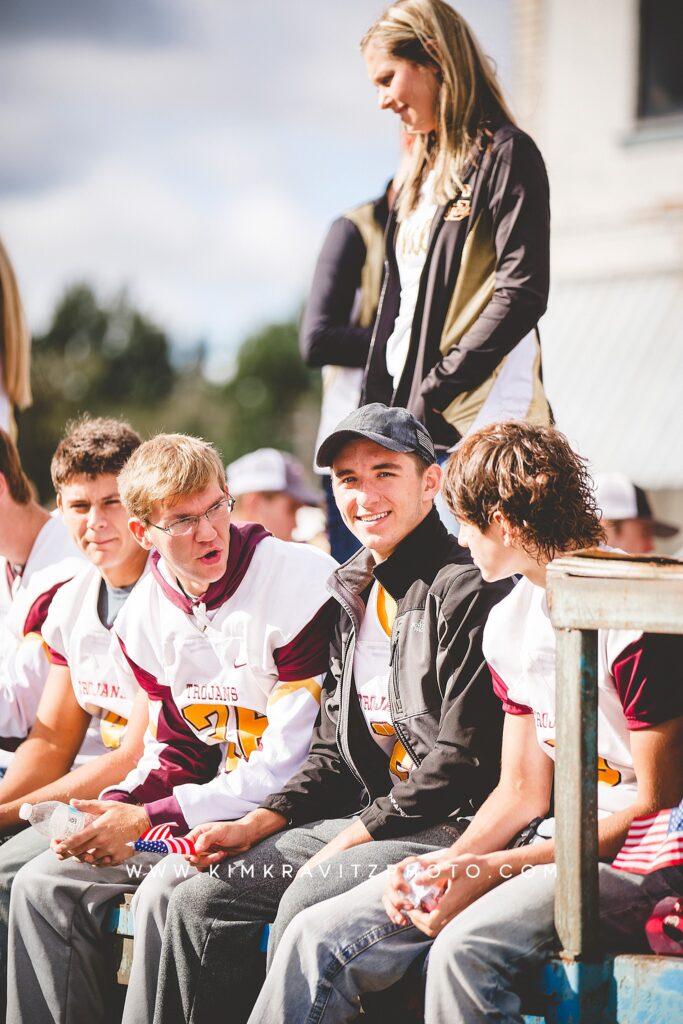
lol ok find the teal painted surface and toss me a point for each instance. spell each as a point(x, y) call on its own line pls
point(619, 990)
point(121, 921)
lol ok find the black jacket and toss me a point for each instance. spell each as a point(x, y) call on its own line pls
point(337, 323)
point(442, 702)
point(483, 287)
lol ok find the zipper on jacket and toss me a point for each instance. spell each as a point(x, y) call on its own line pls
point(343, 708)
point(398, 729)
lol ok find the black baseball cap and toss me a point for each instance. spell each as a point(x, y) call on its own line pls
point(388, 426)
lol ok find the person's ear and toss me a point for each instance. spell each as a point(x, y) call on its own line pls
point(508, 532)
point(431, 481)
point(60, 503)
point(139, 531)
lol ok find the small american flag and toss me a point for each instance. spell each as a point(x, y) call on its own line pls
point(654, 841)
point(159, 839)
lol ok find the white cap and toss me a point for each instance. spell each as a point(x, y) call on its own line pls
point(268, 469)
point(618, 498)
point(25, 812)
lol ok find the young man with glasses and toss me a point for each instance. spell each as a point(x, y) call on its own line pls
point(229, 637)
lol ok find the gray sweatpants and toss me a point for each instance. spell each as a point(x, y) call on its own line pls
point(335, 952)
point(14, 853)
point(210, 956)
point(58, 968)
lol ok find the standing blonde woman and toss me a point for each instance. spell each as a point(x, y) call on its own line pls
point(15, 347)
point(456, 340)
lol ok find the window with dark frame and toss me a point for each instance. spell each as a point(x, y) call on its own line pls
point(660, 80)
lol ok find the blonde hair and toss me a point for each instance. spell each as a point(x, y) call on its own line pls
point(10, 466)
point(430, 33)
point(167, 467)
point(15, 340)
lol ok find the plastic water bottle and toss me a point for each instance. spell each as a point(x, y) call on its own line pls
point(424, 897)
point(54, 819)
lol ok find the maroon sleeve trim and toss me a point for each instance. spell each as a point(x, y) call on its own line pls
point(54, 657)
point(168, 811)
point(510, 707)
point(308, 654)
point(37, 613)
point(647, 679)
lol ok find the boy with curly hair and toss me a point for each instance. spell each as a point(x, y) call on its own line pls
point(522, 497)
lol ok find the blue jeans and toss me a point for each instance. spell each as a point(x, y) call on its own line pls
point(333, 953)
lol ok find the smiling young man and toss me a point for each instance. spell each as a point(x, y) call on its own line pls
point(522, 497)
point(409, 736)
point(85, 716)
point(228, 635)
point(36, 558)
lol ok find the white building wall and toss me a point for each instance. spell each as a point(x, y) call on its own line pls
point(613, 335)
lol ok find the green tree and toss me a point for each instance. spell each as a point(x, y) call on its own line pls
point(274, 400)
point(109, 359)
point(105, 358)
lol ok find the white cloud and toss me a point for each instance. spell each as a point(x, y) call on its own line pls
point(201, 169)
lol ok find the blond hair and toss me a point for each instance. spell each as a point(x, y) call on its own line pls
point(167, 467)
point(10, 466)
point(430, 33)
point(15, 340)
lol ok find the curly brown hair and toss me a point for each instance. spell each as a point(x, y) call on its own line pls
point(534, 479)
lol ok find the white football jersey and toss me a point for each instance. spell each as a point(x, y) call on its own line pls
point(519, 646)
point(371, 676)
point(23, 662)
point(76, 637)
point(236, 678)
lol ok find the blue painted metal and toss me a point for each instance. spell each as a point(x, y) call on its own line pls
point(587, 592)
point(618, 990)
point(120, 920)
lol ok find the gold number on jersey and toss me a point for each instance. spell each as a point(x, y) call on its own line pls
point(208, 716)
point(400, 762)
point(112, 728)
point(250, 727)
point(608, 775)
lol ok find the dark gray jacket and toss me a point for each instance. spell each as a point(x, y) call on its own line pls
point(483, 287)
point(442, 702)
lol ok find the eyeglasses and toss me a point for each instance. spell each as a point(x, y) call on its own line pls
point(188, 524)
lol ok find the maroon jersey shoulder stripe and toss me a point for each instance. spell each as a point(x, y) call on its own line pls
point(646, 675)
point(37, 613)
point(509, 706)
point(54, 657)
point(308, 654)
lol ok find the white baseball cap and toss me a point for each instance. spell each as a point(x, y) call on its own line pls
point(618, 498)
point(268, 469)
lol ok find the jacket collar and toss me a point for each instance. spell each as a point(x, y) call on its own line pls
point(243, 542)
point(419, 556)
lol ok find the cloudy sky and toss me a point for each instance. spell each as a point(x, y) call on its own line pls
point(192, 150)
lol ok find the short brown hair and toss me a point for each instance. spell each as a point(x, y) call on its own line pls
point(11, 468)
point(168, 466)
point(533, 478)
point(91, 447)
